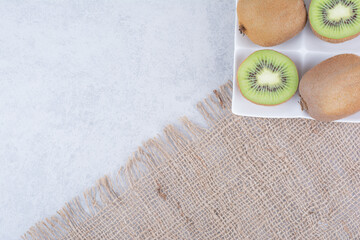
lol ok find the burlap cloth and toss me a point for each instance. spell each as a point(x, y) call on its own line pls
point(240, 178)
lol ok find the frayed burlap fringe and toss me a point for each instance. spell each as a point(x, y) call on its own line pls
point(239, 178)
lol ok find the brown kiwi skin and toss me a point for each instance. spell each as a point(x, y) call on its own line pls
point(331, 90)
point(237, 83)
point(332, 40)
point(271, 22)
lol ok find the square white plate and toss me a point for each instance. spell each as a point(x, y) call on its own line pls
point(306, 50)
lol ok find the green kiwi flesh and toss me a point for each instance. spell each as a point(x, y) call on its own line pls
point(268, 77)
point(335, 20)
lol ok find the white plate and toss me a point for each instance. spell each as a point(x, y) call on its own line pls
point(306, 50)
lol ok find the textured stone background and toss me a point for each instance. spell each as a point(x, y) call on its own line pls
point(83, 83)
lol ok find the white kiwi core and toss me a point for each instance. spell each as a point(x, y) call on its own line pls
point(268, 77)
point(340, 11)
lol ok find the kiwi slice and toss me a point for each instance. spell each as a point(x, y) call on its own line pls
point(335, 20)
point(268, 77)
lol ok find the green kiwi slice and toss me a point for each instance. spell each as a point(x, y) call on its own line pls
point(268, 77)
point(335, 20)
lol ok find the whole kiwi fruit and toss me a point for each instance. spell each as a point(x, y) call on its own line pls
point(331, 90)
point(271, 22)
point(335, 21)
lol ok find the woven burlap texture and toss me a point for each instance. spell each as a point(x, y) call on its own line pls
point(238, 178)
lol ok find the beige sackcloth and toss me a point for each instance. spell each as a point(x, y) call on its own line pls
point(238, 178)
